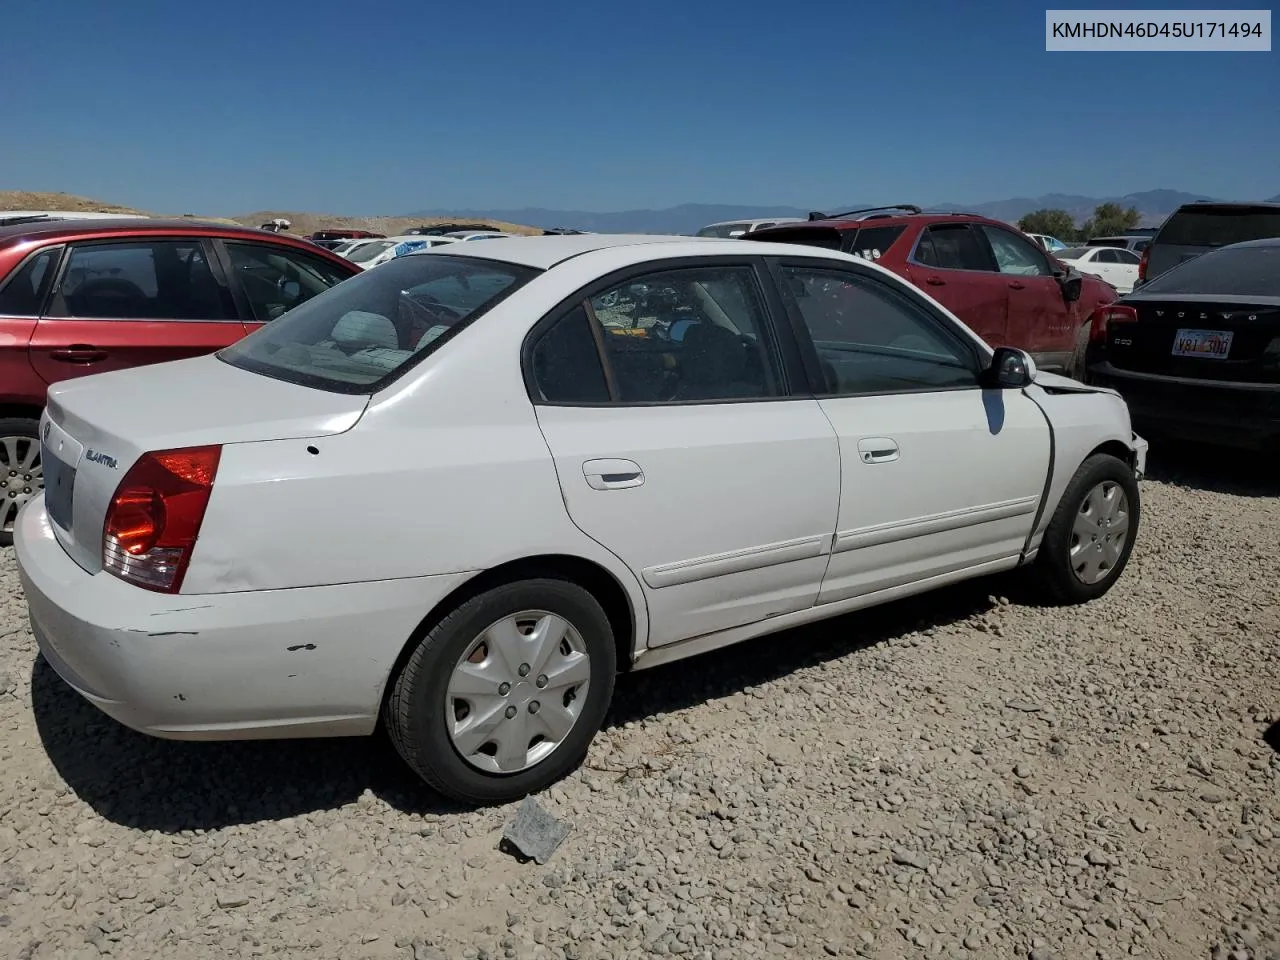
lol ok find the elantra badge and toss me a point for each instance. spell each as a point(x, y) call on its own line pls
point(96, 456)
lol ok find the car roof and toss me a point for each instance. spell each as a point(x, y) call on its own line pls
point(56, 229)
point(545, 252)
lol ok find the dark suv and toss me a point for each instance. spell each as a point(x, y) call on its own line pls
point(1000, 283)
point(87, 296)
point(1196, 228)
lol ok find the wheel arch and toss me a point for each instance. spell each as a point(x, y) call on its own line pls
point(591, 576)
point(1115, 448)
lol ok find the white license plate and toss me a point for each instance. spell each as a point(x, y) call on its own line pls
point(1206, 344)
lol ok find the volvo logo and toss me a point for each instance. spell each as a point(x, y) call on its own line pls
point(96, 456)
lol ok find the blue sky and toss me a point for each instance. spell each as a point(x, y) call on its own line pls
point(387, 106)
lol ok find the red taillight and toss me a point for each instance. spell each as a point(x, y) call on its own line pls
point(1104, 317)
point(1142, 264)
point(154, 518)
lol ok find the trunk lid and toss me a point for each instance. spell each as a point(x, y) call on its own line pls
point(94, 429)
point(1207, 337)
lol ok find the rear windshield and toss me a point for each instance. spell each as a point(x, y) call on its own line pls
point(1219, 226)
point(367, 251)
point(362, 334)
point(725, 230)
point(1238, 271)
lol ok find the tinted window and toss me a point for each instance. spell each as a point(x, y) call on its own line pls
point(360, 335)
point(1243, 271)
point(873, 339)
point(1014, 254)
point(952, 246)
point(23, 295)
point(141, 280)
point(686, 335)
point(369, 249)
point(1219, 226)
point(870, 243)
point(1107, 242)
point(1107, 256)
point(1127, 256)
point(1072, 253)
point(566, 363)
point(275, 280)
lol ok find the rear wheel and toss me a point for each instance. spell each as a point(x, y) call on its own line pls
point(21, 475)
point(1088, 542)
point(503, 696)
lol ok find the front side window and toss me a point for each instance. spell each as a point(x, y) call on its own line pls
point(1127, 256)
point(275, 280)
point(679, 336)
point(952, 246)
point(362, 334)
point(1015, 255)
point(872, 339)
point(140, 280)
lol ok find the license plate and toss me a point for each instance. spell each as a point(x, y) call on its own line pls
point(59, 484)
point(1206, 344)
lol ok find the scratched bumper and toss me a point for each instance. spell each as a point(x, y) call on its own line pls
point(275, 663)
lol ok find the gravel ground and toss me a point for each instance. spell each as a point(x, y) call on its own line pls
point(963, 776)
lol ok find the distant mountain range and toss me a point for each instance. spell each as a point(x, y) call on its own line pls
point(1154, 205)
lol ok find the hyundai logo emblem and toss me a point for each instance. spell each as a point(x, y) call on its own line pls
point(46, 430)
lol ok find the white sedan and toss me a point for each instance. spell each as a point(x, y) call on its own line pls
point(383, 251)
point(461, 491)
point(1116, 266)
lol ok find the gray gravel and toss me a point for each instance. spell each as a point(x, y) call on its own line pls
point(963, 776)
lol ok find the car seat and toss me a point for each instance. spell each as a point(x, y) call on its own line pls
point(714, 365)
point(358, 329)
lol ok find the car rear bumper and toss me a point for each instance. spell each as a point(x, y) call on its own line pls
point(304, 662)
point(1204, 411)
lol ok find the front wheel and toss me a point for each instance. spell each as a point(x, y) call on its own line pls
point(503, 696)
point(21, 476)
point(1092, 532)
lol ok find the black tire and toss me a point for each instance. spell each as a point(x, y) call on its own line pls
point(22, 428)
point(1054, 572)
point(415, 709)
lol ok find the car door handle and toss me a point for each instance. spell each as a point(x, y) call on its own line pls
point(612, 474)
point(935, 281)
point(1017, 285)
point(878, 450)
point(79, 353)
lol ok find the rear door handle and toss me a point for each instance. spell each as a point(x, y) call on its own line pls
point(1017, 285)
point(612, 474)
point(878, 450)
point(79, 353)
point(935, 281)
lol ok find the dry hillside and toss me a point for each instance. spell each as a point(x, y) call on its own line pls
point(303, 223)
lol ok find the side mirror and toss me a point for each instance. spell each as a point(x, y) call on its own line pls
point(1010, 368)
point(1069, 281)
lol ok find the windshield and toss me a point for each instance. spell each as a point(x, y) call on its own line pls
point(1234, 271)
point(724, 231)
point(368, 251)
point(363, 333)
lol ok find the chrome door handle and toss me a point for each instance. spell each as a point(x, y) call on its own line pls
point(878, 450)
point(610, 474)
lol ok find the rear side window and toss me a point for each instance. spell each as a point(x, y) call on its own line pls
point(871, 243)
point(953, 246)
point(359, 336)
point(141, 280)
point(566, 362)
point(1107, 255)
point(1219, 226)
point(1242, 271)
point(26, 289)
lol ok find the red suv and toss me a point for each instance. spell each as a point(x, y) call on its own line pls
point(87, 296)
point(1000, 283)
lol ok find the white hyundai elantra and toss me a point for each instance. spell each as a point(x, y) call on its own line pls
point(455, 495)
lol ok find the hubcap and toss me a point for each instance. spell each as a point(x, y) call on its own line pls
point(21, 476)
point(517, 692)
point(1099, 532)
